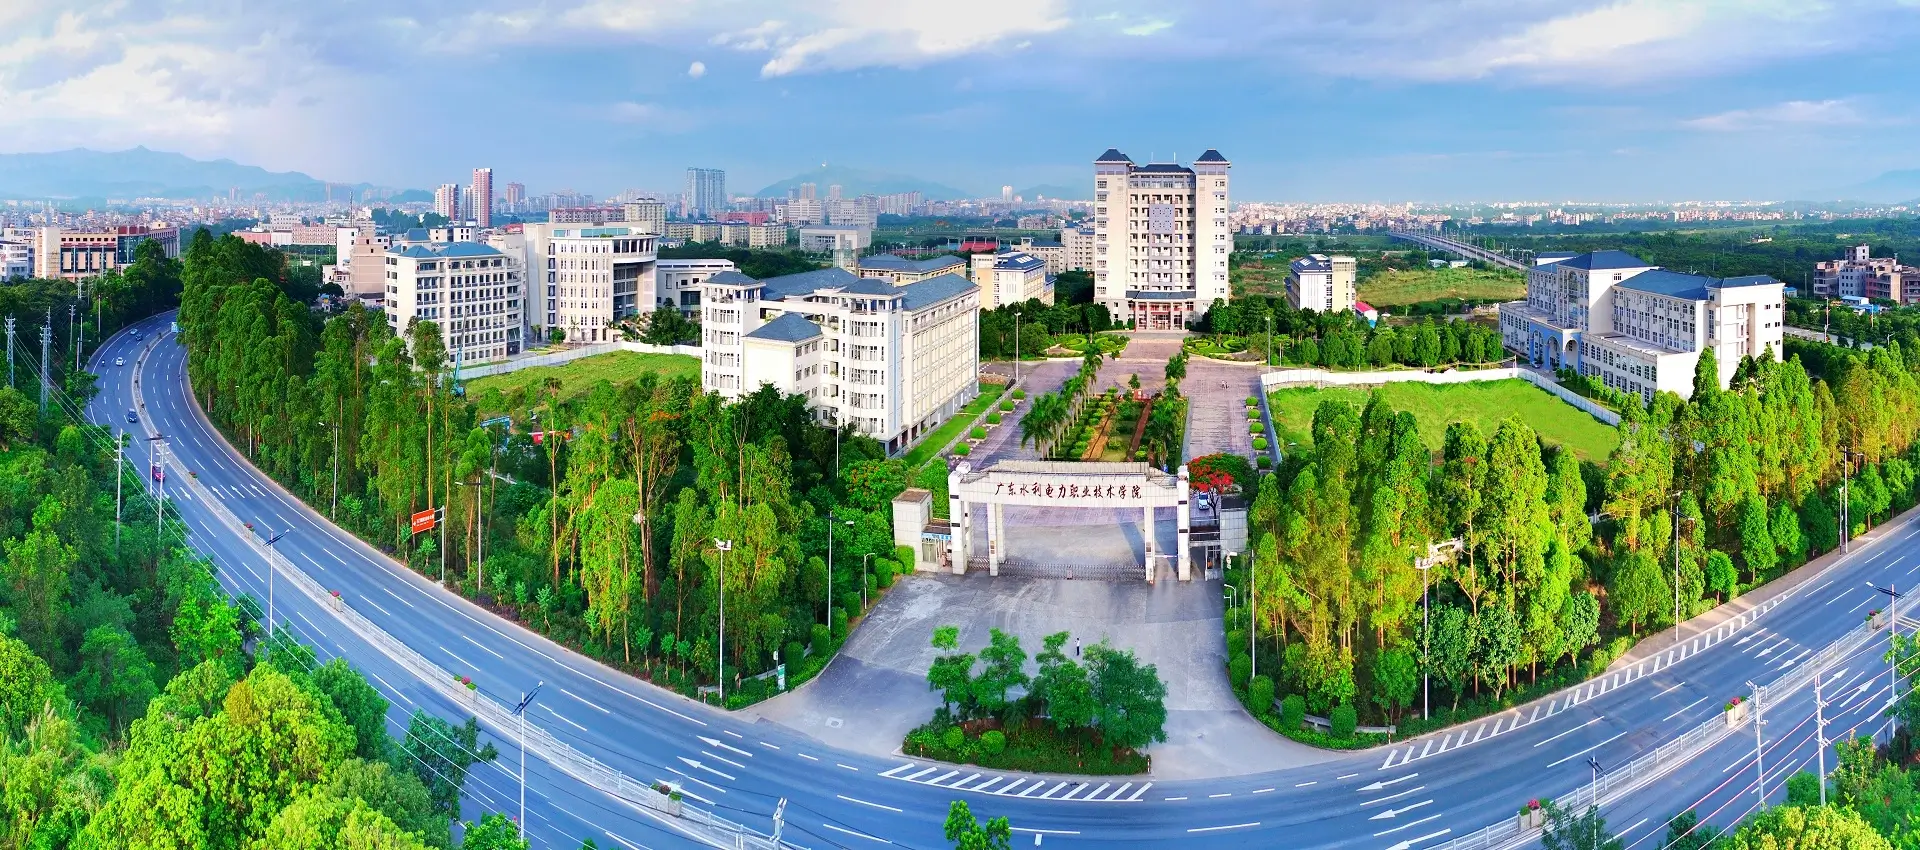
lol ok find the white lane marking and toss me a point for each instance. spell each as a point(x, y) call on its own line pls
point(1588, 750)
point(1228, 826)
point(698, 766)
point(1683, 709)
point(595, 707)
point(1218, 796)
point(1596, 719)
point(963, 783)
point(855, 834)
point(1347, 776)
point(563, 718)
point(865, 803)
point(1054, 790)
point(1670, 689)
point(917, 774)
point(1032, 788)
point(1172, 799)
point(1045, 831)
point(459, 659)
point(1405, 845)
point(390, 689)
point(1643, 822)
point(1428, 748)
point(846, 767)
point(723, 760)
point(734, 734)
point(403, 600)
point(714, 742)
point(376, 606)
point(1377, 785)
point(1263, 790)
point(1139, 791)
point(1096, 792)
point(942, 777)
point(807, 757)
point(990, 783)
point(310, 623)
point(1305, 784)
point(487, 649)
point(890, 773)
point(761, 743)
point(1408, 825)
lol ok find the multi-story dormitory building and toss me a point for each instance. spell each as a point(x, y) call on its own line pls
point(893, 360)
point(1639, 328)
point(473, 292)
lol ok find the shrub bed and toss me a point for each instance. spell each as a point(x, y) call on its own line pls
point(1034, 746)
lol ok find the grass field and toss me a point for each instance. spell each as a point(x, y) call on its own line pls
point(1398, 287)
point(619, 367)
point(1484, 403)
point(938, 439)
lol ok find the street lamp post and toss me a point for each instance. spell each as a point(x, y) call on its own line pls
point(832, 521)
point(333, 508)
point(1759, 769)
point(271, 539)
point(1675, 498)
point(1016, 347)
point(520, 711)
point(1893, 655)
point(1593, 795)
point(1253, 621)
point(1437, 554)
point(1820, 736)
point(720, 658)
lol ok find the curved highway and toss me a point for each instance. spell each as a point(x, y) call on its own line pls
point(1417, 794)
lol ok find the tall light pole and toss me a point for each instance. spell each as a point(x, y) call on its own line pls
point(1820, 735)
point(1675, 498)
point(1759, 769)
point(1846, 501)
point(1269, 340)
point(831, 522)
point(156, 473)
point(864, 575)
point(271, 539)
point(333, 508)
point(720, 658)
point(1437, 554)
point(1593, 795)
point(1253, 620)
point(1016, 347)
point(119, 476)
point(1893, 655)
point(520, 711)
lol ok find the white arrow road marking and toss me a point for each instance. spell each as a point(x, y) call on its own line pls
point(1375, 786)
point(1408, 825)
point(1396, 812)
point(723, 760)
point(698, 766)
point(1407, 844)
point(715, 743)
point(1414, 790)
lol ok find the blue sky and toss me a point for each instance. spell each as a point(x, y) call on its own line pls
point(1311, 99)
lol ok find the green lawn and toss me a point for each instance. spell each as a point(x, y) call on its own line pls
point(934, 442)
point(619, 367)
point(1485, 403)
point(1402, 287)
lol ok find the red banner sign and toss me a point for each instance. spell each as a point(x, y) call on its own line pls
point(423, 521)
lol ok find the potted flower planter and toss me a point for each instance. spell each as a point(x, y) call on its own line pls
point(1532, 816)
point(335, 600)
point(1736, 712)
point(669, 799)
point(1878, 618)
point(473, 690)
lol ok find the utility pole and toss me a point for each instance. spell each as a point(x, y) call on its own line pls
point(119, 476)
point(1437, 554)
point(1593, 796)
point(46, 345)
point(1893, 655)
point(79, 335)
point(1820, 736)
point(720, 658)
point(159, 471)
point(272, 539)
point(441, 520)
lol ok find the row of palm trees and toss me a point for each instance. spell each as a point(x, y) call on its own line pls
point(1051, 417)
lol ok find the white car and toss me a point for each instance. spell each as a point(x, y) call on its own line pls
point(119, 361)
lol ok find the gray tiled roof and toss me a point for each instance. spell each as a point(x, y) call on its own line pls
point(805, 282)
point(787, 327)
point(934, 290)
point(445, 249)
point(1670, 283)
point(732, 278)
point(1752, 280)
point(1163, 168)
point(1018, 262)
point(1113, 155)
point(1211, 156)
point(1609, 259)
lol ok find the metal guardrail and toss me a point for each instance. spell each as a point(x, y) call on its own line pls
point(701, 825)
point(1619, 782)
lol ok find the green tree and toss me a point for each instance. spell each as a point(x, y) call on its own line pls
point(36, 573)
point(968, 833)
point(1722, 578)
point(359, 704)
point(1450, 653)
point(1756, 539)
point(1396, 677)
point(952, 673)
point(493, 832)
point(1639, 591)
point(1785, 530)
point(1568, 831)
point(1062, 686)
point(1783, 827)
point(439, 754)
point(1686, 832)
point(1130, 699)
point(1004, 670)
point(115, 678)
point(26, 685)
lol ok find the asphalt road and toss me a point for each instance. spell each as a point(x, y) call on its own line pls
point(1416, 794)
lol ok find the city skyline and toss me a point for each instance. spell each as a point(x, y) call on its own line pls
point(1631, 100)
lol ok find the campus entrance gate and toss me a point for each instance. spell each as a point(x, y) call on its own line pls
point(1062, 484)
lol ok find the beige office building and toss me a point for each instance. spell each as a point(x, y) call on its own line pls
point(1160, 239)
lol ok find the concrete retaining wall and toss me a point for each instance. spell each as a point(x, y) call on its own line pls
point(1323, 378)
point(571, 354)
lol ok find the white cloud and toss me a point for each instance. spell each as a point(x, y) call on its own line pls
point(1806, 113)
point(697, 70)
point(1147, 27)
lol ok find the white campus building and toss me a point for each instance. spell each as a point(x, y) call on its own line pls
point(472, 291)
point(892, 360)
point(679, 281)
point(1007, 277)
point(586, 277)
point(1160, 239)
point(1637, 327)
point(1322, 283)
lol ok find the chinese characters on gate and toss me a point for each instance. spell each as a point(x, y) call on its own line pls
point(1068, 491)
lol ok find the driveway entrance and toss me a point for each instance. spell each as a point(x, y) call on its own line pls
point(1061, 484)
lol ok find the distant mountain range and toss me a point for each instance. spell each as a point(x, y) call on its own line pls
point(1890, 187)
point(854, 182)
point(143, 173)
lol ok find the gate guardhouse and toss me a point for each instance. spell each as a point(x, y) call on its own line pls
point(1061, 484)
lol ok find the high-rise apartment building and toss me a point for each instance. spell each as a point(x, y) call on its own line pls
point(1322, 283)
point(649, 214)
point(807, 192)
point(833, 192)
point(472, 292)
point(1639, 328)
point(706, 192)
point(1078, 241)
point(515, 195)
point(446, 201)
point(1859, 274)
point(1160, 239)
point(480, 198)
point(893, 361)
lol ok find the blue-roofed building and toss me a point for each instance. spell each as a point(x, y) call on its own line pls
point(1636, 327)
point(893, 360)
point(898, 269)
point(1051, 251)
point(1009, 277)
point(473, 292)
